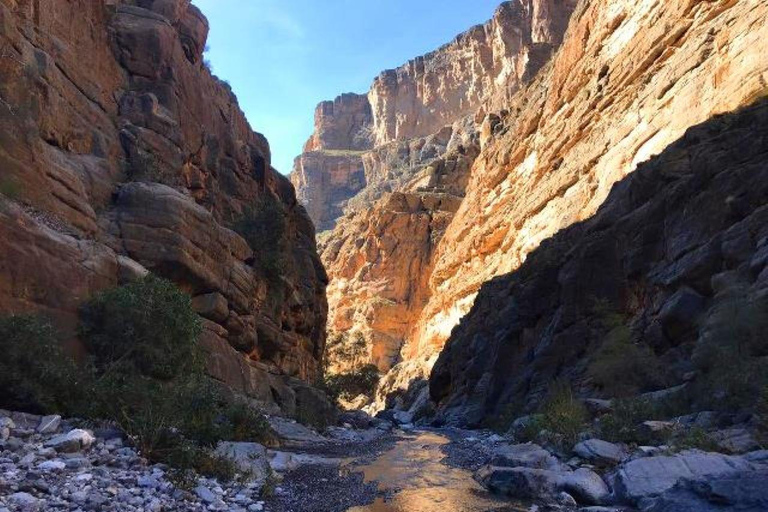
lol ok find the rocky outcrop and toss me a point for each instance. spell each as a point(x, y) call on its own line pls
point(690, 222)
point(121, 153)
point(342, 124)
point(482, 66)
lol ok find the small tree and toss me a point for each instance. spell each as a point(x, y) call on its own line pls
point(147, 325)
point(35, 373)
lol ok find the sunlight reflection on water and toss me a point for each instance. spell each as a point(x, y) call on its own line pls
point(413, 471)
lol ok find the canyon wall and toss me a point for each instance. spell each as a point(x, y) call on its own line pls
point(121, 153)
point(675, 241)
point(546, 149)
point(388, 204)
point(629, 80)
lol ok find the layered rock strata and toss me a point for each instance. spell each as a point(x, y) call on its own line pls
point(121, 153)
point(682, 234)
point(389, 203)
point(629, 80)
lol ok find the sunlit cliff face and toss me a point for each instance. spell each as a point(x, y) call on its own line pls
point(629, 79)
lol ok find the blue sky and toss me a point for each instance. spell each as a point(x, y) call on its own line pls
point(282, 57)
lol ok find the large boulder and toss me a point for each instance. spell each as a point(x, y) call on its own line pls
point(250, 458)
point(737, 492)
point(527, 455)
point(645, 478)
point(600, 452)
point(543, 484)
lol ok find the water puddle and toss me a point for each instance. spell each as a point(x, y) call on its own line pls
point(414, 479)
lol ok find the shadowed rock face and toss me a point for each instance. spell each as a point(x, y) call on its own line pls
point(119, 150)
point(690, 223)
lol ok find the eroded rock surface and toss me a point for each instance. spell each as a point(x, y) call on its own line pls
point(121, 153)
point(674, 223)
point(388, 178)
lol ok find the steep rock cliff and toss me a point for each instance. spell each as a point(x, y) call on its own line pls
point(120, 152)
point(686, 231)
point(426, 131)
point(627, 82)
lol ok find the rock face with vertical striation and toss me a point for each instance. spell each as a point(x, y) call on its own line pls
point(391, 189)
point(120, 152)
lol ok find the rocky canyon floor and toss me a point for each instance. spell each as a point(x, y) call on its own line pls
point(372, 465)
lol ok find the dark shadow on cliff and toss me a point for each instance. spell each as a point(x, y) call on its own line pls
point(669, 242)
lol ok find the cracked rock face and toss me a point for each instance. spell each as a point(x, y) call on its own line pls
point(121, 153)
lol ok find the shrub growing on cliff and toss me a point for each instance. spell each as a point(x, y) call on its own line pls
point(262, 225)
point(148, 326)
point(732, 353)
point(621, 367)
point(35, 373)
point(347, 386)
point(149, 377)
point(563, 415)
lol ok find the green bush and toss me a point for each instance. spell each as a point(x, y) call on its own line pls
point(695, 438)
point(263, 225)
point(624, 423)
point(346, 348)
point(148, 325)
point(732, 353)
point(563, 414)
point(35, 373)
point(621, 367)
point(149, 378)
point(347, 386)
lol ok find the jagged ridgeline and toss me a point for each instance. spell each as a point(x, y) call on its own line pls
point(121, 154)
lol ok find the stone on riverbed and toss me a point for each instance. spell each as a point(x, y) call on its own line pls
point(249, 458)
point(600, 452)
point(49, 424)
point(72, 441)
point(740, 491)
point(645, 478)
point(527, 455)
point(544, 484)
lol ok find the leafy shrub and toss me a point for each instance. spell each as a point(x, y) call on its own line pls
point(347, 349)
point(696, 438)
point(347, 386)
point(732, 353)
point(148, 325)
point(624, 423)
point(262, 225)
point(621, 367)
point(35, 373)
point(146, 376)
point(149, 378)
point(563, 414)
point(503, 419)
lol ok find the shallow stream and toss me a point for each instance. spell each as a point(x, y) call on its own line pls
point(412, 477)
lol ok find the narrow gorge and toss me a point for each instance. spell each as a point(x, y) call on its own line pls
point(525, 271)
